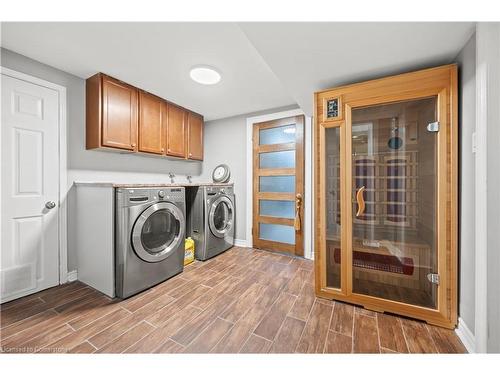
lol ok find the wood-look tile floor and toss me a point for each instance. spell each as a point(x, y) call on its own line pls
point(243, 301)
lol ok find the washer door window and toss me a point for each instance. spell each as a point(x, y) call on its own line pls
point(158, 232)
point(220, 218)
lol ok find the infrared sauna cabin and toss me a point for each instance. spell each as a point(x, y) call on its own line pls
point(386, 194)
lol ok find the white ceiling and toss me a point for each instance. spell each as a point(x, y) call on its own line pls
point(263, 65)
point(308, 57)
point(157, 57)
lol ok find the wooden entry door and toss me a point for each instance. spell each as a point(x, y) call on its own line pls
point(278, 185)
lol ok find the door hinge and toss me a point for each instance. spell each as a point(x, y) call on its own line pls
point(433, 126)
point(433, 278)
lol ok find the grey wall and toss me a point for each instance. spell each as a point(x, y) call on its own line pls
point(489, 53)
point(89, 165)
point(225, 143)
point(466, 60)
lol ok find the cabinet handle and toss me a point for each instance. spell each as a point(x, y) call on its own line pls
point(168, 150)
point(133, 145)
point(361, 201)
point(190, 154)
point(162, 149)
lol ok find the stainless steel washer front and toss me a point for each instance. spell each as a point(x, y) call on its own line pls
point(158, 231)
point(149, 241)
point(211, 219)
point(220, 218)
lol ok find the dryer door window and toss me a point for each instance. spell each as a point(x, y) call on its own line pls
point(158, 232)
point(221, 216)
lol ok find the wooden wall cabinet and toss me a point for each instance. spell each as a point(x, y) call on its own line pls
point(176, 131)
point(195, 137)
point(152, 124)
point(111, 114)
point(122, 117)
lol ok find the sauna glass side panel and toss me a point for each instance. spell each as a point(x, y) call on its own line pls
point(332, 209)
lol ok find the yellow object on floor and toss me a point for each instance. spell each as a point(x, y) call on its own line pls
point(189, 251)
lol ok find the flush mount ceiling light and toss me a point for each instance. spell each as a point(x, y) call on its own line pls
point(205, 75)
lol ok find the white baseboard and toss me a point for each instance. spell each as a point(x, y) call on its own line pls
point(72, 276)
point(466, 336)
point(240, 243)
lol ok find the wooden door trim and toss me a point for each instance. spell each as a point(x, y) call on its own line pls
point(440, 82)
point(278, 122)
point(268, 195)
point(276, 172)
point(62, 128)
point(276, 220)
point(277, 147)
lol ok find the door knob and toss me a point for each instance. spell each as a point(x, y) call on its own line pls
point(50, 205)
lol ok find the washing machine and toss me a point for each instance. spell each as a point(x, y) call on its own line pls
point(150, 233)
point(211, 219)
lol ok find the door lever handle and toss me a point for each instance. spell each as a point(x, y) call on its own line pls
point(361, 201)
point(298, 204)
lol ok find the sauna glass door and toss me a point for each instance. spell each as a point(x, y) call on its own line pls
point(394, 201)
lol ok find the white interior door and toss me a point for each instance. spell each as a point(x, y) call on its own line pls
point(29, 188)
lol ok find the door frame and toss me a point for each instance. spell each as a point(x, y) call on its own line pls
point(63, 184)
point(308, 175)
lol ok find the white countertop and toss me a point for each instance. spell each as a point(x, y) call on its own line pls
point(158, 184)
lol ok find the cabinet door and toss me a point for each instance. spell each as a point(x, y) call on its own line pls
point(151, 120)
point(176, 131)
point(119, 111)
point(195, 137)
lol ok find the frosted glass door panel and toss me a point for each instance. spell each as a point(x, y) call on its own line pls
point(284, 209)
point(281, 134)
point(279, 159)
point(277, 233)
point(277, 184)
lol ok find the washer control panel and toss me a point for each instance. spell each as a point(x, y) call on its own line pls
point(170, 194)
point(134, 196)
point(212, 190)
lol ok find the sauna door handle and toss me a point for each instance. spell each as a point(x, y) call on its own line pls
point(361, 201)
